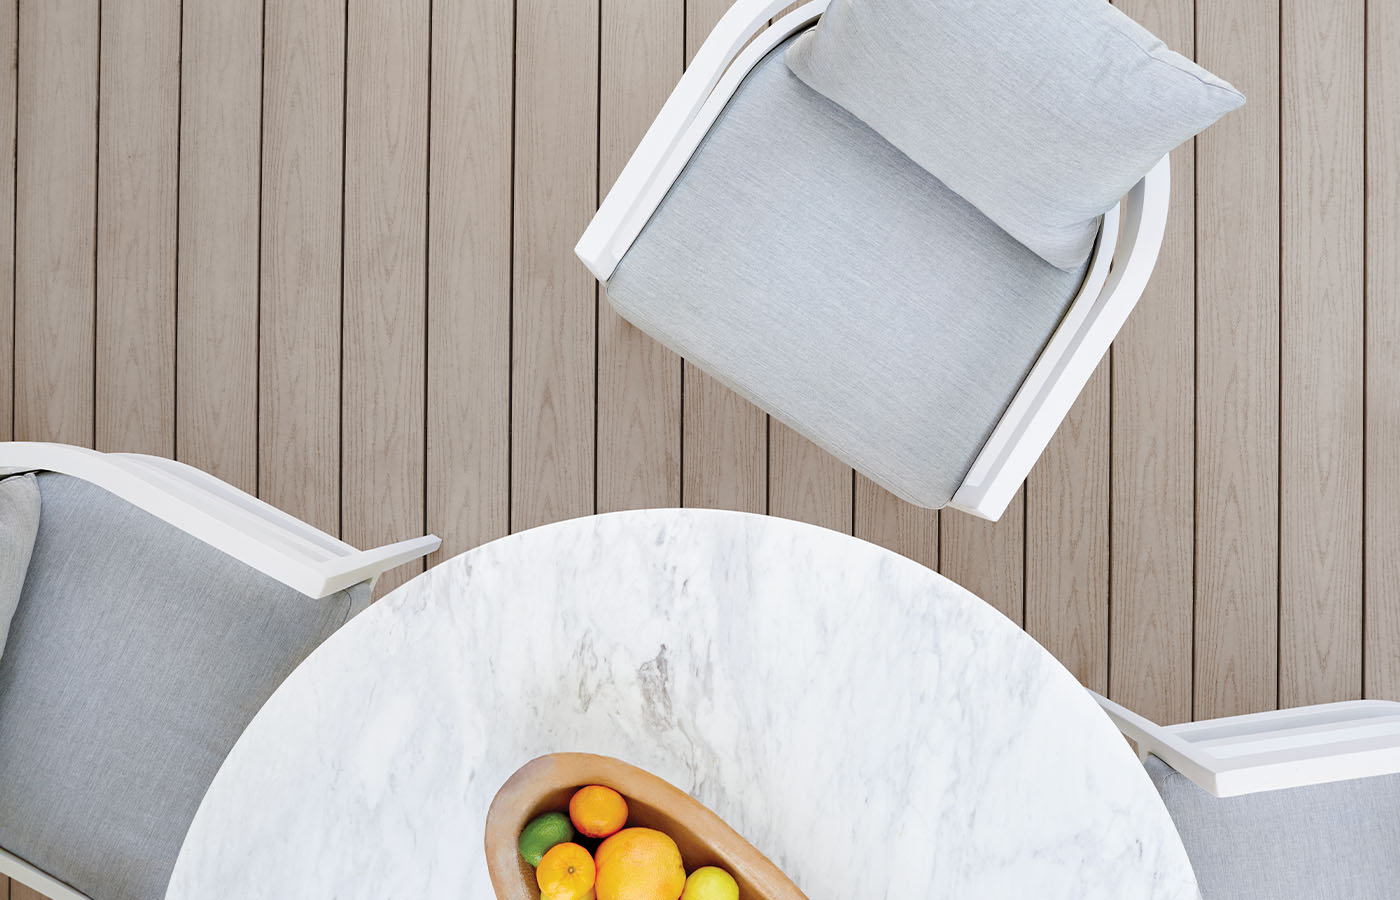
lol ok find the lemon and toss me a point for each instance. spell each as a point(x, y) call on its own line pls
point(710, 883)
point(542, 833)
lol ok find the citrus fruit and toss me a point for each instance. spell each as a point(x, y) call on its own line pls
point(566, 873)
point(710, 883)
point(640, 864)
point(542, 833)
point(598, 811)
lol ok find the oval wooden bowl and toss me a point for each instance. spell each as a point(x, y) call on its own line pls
point(547, 783)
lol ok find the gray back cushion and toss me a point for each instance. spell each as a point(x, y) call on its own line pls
point(1338, 841)
point(137, 656)
point(811, 266)
point(19, 522)
point(1042, 113)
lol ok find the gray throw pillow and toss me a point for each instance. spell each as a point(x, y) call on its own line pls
point(1041, 113)
point(19, 522)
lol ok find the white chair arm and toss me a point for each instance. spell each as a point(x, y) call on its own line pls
point(275, 543)
point(602, 246)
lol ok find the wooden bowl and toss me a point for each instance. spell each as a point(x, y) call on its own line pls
point(546, 784)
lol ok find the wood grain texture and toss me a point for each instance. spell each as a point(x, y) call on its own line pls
point(9, 46)
point(884, 519)
point(469, 234)
point(138, 120)
point(725, 437)
point(1382, 586)
point(384, 362)
point(20, 892)
point(299, 335)
point(1323, 370)
point(639, 381)
point(56, 221)
point(807, 483)
point(1151, 551)
point(1066, 567)
point(988, 558)
point(220, 141)
point(1237, 358)
point(555, 312)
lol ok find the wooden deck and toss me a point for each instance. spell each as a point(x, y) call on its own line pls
point(323, 249)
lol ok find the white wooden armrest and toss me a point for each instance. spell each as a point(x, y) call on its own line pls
point(672, 137)
point(1271, 750)
point(1130, 240)
point(13, 867)
point(260, 535)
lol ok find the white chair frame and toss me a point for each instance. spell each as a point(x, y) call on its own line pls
point(1272, 750)
point(1123, 260)
point(275, 543)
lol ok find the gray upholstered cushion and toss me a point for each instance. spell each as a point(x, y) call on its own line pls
point(1042, 113)
point(136, 658)
point(807, 263)
point(1338, 841)
point(19, 520)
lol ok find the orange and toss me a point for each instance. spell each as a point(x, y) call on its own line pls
point(566, 873)
point(640, 864)
point(598, 811)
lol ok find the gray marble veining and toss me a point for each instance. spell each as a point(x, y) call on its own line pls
point(876, 730)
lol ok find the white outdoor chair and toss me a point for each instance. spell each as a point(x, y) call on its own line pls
point(716, 239)
point(160, 609)
point(1301, 802)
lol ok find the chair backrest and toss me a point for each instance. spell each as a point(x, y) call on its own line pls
point(251, 531)
point(1123, 259)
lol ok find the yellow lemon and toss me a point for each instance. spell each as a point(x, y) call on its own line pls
point(710, 883)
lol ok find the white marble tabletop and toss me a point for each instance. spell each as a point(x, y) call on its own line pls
point(873, 728)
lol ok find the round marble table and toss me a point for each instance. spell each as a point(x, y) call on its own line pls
point(872, 727)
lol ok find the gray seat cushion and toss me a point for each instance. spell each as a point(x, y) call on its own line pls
point(1338, 841)
point(137, 656)
point(805, 262)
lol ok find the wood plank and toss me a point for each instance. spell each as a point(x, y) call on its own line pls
point(1382, 562)
point(385, 351)
point(807, 483)
point(555, 312)
point(884, 519)
point(9, 47)
point(299, 338)
point(1323, 367)
point(469, 234)
point(220, 122)
point(56, 220)
point(639, 381)
point(725, 437)
point(988, 558)
point(20, 892)
point(1067, 538)
point(138, 125)
point(1151, 555)
point(1237, 358)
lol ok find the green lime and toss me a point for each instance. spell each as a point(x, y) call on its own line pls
point(542, 833)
